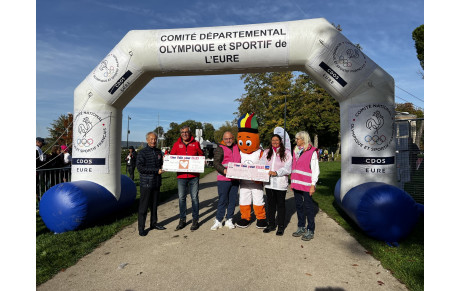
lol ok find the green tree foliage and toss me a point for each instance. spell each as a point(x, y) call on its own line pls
point(418, 37)
point(208, 132)
point(173, 133)
point(159, 130)
point(61, 130)
point(308, 106)
point(409, 107)
point(227, 126)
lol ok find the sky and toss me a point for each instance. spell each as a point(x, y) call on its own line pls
point(72, 37)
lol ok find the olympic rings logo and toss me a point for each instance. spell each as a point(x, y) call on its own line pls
point(85, 142)
point(109, 71)
point(372, 140)
point(345, 62)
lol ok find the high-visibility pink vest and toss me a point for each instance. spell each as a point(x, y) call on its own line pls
point(230, 155)
point(301, 170)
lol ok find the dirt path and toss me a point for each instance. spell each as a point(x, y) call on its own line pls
point(238, 259)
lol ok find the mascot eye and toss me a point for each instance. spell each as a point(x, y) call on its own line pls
point(248, 143)
point(240, 142)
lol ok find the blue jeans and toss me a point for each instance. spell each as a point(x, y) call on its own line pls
point(193, 184)
point(306, 208)
point(228, 194)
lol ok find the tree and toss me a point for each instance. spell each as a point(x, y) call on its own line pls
point(418, 37)
point(159, 130)
point(61, 130)
point(173, 133)
point(409, 108)
point(208, 132)
point(308, 106)
point(227, 126)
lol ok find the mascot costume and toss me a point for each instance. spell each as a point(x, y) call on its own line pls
point(250, 191)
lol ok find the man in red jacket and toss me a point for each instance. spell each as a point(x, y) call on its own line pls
point(186, 145)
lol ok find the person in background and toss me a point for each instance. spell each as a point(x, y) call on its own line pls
point(186, 145)
point(304, 176)
point(149, 164)
point(67, 158)
point(40, 157)
point(66, 162)
point(280, 161)
point(55, 161)
point(227, 189)
point(131, 162)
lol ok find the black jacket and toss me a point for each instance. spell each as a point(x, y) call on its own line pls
point(149, 162)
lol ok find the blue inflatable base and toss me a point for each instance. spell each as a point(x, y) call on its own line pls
point(69, 206)
point(382, 211)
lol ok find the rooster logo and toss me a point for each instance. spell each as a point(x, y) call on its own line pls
point(375, 122)
point(85, 128)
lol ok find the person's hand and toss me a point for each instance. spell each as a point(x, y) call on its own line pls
point(225, 171)
point(312, 190)
point(272, 173)
point(161, 171)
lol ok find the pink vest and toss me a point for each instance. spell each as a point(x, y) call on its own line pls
point(230, 155)
point(301, 171)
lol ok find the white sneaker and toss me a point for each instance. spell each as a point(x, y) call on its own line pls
point(229, 224)
point(217, 224)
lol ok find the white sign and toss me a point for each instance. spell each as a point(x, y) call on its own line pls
point(342, 64)
point(114, 74)
point(176, 163)
point(90, 150)
point(213, 48)
point(248, 172)
point(371, 134)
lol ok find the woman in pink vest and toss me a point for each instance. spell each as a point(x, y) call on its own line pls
point(226, 188)
point(280, 161)
point(304, 175)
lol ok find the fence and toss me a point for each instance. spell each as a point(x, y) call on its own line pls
point(409, 156)
point(47, 178)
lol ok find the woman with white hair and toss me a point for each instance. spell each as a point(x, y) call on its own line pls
point(304, 176)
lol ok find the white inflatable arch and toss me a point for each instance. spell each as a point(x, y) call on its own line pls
point(363, 89)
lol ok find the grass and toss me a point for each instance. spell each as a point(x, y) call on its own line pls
point(404, 262)
point(55, 253)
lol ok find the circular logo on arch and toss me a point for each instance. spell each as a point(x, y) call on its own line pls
point(107, 69)
point(372, 126)
point(348, 58)
point(90, 132)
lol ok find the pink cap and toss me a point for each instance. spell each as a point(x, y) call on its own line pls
point(63, 147)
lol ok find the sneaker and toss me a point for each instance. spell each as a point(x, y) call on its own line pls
point(243, 223)
point(308, 235)
point(300, 231)
point(261, 223)
point(229, 224)
point(269, 228)
point(217, 224)
point(195, 225)
point(181, 224)
point(280, 230)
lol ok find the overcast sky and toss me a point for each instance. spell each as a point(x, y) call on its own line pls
point(72, 37)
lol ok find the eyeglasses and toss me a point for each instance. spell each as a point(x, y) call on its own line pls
point(230, 138)
point(185, 132)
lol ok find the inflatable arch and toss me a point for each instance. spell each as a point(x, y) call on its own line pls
point(363, 89)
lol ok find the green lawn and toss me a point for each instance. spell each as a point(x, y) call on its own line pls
point(57, 252)
point(404, 262)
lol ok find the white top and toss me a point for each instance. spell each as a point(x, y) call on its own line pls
point(41, 156)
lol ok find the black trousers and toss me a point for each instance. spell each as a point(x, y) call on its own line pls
point(131, 171)
point(148, 200)
point(276, 203)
